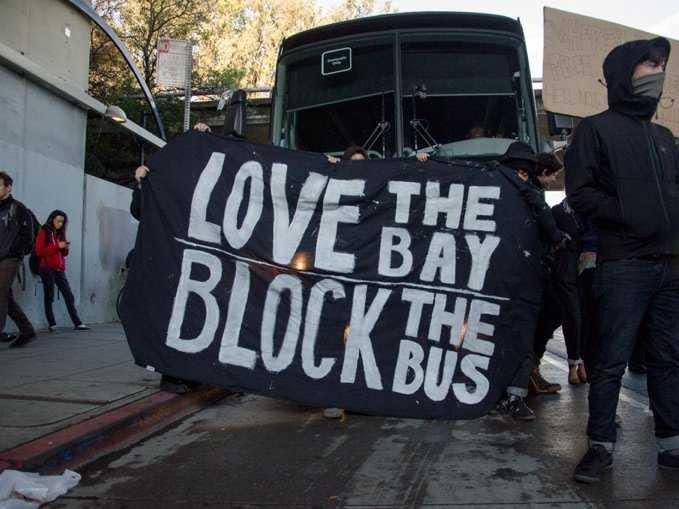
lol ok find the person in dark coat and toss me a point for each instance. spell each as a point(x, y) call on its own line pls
point(167, 383)
point(622, 171)
point(561, 301)
point(565, 283)
point(521, 158)
point(550, 318)
point(16, 240)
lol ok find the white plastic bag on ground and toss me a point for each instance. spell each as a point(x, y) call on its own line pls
point(15, 503)
point(25, 490)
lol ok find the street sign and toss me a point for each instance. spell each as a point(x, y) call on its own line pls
point(173, 70)
point(174, 57)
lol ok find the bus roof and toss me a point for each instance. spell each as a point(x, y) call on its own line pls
point(403, 21)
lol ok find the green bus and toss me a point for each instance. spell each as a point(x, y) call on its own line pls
point(455, 83)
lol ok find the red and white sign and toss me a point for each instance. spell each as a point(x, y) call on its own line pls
point(174, 56)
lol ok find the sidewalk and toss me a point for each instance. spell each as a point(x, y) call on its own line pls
point(69, 397)
point(66, 377)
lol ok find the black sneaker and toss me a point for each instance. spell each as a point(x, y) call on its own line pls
point(7, 338)
point(21, 340)
point(519, 410)
point(592, 465)
point(668, 460)
point(516, 407)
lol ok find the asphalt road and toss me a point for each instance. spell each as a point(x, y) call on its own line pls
point(251, 451)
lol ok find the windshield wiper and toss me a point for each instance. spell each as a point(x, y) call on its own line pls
point(380, 130)
point(417, 123)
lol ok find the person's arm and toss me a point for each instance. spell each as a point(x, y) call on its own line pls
point(543, 214)
point(582, 162)
point(202, 127)
point(135, 207)
point(42, 250)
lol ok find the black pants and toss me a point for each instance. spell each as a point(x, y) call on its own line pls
point(8, 306)
point(589, 340)
point(626, 293)
point(638, 358)
point(50, 278)
point(561, 306)
point(549, 320)
point(549, 309)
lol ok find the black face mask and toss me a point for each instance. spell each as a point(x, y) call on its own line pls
point(649, 86)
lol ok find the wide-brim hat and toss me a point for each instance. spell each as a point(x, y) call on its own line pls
point(520, 151)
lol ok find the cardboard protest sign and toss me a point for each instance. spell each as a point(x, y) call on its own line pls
point(574, 52)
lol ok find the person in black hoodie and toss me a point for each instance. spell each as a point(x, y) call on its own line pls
point(622, 172)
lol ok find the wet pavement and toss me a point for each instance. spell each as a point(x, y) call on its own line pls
point(251, 451)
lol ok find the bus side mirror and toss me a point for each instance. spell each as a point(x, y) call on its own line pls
point(560, 125)
point(235, 118)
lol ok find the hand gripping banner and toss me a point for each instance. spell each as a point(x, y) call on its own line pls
point(388, 287)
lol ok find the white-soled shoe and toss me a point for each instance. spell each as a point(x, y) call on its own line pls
point(332, 413)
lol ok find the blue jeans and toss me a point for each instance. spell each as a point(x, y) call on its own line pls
point(625, 293)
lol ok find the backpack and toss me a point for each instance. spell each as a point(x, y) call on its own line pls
point(33, 258)
point(22, 226)
point(27, 245)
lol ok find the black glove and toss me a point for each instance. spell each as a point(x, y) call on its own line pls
point(533, 198)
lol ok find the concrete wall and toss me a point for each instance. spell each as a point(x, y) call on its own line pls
point(109, 235)
point(42, 145)
point(51, 33)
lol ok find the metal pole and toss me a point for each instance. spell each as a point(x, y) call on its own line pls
point(187, 89)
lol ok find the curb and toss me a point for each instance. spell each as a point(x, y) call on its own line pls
point(93, 438)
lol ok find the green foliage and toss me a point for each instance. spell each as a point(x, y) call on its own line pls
point(236, 45)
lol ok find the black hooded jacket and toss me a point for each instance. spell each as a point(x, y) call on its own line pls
point(622, 170)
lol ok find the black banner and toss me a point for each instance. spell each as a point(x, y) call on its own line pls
point(384, 287)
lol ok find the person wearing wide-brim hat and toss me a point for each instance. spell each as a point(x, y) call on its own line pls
point(522, 158)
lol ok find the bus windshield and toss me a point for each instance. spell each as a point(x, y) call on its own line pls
point(462, 97)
